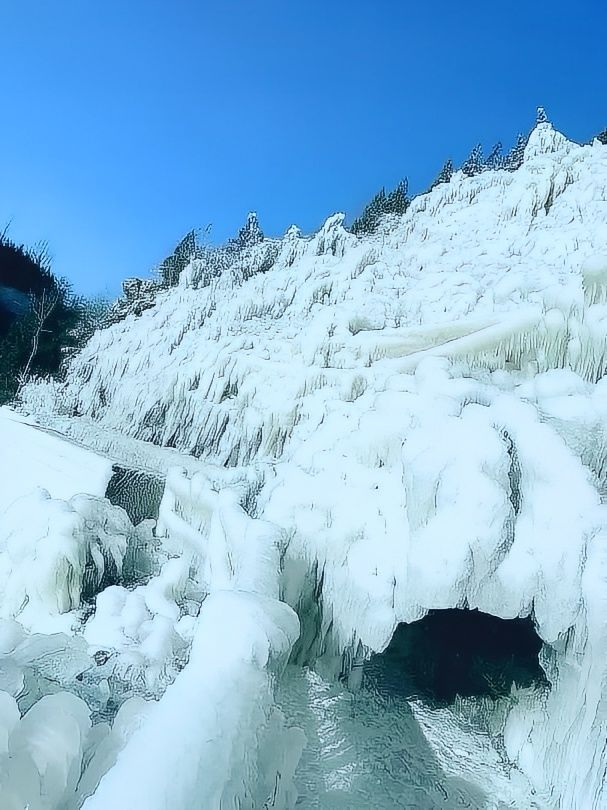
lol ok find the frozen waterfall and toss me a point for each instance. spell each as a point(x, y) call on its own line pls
point(243, 542)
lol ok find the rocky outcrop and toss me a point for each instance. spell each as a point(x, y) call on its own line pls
point(138, 295)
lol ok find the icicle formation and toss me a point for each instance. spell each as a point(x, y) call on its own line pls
point(594, 274)
point(241, 356)
point(54, 552)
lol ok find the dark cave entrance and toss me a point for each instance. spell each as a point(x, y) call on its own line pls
point(458, 652)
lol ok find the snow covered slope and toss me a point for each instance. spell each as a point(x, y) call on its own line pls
point(32, 458)
point(426, 412)
point(230, 369)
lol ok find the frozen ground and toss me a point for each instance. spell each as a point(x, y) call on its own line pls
point(374, 748)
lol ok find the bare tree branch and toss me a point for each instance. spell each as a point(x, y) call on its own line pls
point(42, 308)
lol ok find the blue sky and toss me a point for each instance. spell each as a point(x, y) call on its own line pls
point(127, 122)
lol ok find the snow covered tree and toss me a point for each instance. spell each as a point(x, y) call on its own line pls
point(445, 174)
point(514, 159)
point(495, 158)
point(250, 234)
point(474, 164)
point(541, 117)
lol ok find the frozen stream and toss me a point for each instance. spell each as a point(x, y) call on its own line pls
point(376, 749)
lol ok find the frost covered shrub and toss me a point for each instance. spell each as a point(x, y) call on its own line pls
point(42, 396)
point(211, 263)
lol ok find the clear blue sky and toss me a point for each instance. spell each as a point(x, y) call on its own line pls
point(127, 122)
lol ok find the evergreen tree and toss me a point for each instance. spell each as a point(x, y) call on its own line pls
point(474, 164)
point(514, 159)
point(250, 234)
point(378, 205)
point(397, 201)
point(445, 174)
point(495, 158)
point(367, 222)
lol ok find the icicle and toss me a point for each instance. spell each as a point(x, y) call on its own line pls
point(594, 280)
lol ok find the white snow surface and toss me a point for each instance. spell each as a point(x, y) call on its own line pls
point(33, 458)
point(395, 423)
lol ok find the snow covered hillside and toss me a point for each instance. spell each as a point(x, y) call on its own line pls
point(384, 426)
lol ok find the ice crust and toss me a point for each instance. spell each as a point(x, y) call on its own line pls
point(384, 425)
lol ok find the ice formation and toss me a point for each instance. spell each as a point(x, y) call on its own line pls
point(356, 430)
point(215, 739)
point(52, 551)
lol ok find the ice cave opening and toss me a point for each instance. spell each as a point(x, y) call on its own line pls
point(137, 491)
point(421, 724)
point(458, 652)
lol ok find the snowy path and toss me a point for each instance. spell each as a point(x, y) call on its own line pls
point(118, 448)
point(32, 458)
point(368, 750)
